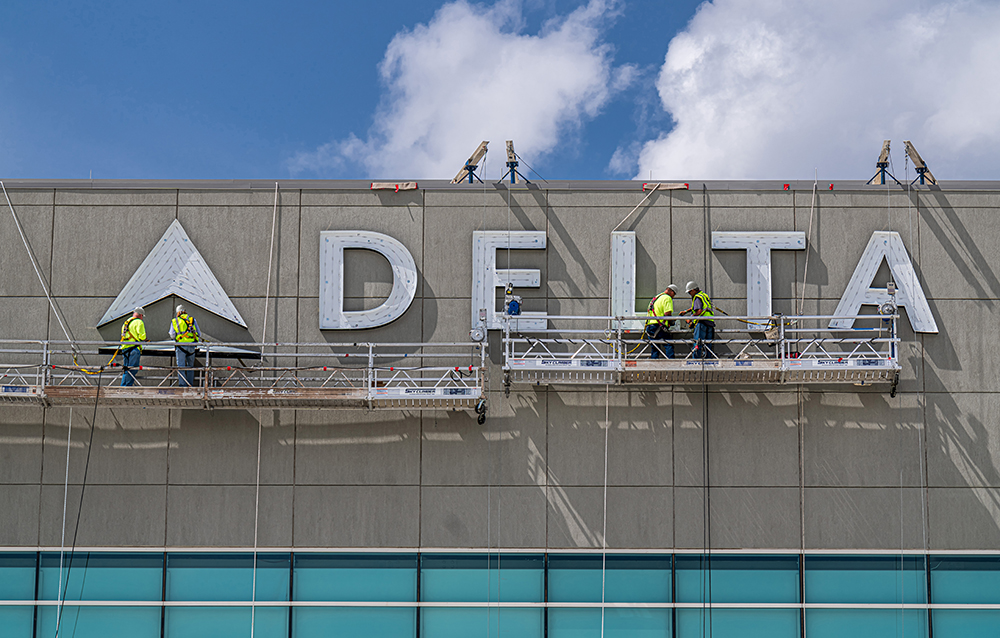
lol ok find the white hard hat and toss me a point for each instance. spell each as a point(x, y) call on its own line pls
point(179, 309)
point(674, 288)
point(691, 286)
point(139, 311)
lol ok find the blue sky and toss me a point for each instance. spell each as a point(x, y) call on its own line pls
point(587, 90)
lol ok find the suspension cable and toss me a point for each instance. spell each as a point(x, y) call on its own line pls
point(812, 211)
point(604, 530)
point(256, 519)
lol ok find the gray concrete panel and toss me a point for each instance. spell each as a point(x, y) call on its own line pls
point(21, 444)
point(862, 439)
point(129, 446)
point(287, 197)
point(446, 320)
point(729, 267)
point(223, 516)
point(777, 198)
point(111, 515)
point(579, 250)
point(640, 517)
point(101, 246)
point(367, 197)
point(639, 441)
point(958, 257)
point(690, 237)
point(630, 197)
point(30, 197)
point(19, 525)
point(116, 197)
point(356, 516)
point(24, 318)
point(753, 438)
point(220, 447)
point(741, 517)
point(402, 223)
point(967, 519)
point(19, 277)
point(355, 447)
point(881, 197)
point(482, 517)
point(493, 195)
point(839, 238)
point(575, 516)
point(965, 356)
point(509, 449)
point(239, 256)
point(863, 518)
point(963, 441)
point(447, 264)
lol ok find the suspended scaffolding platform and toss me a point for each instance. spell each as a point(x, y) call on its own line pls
point(402, 376)
point(746, 350)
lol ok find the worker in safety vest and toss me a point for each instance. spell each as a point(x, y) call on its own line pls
point(184, 330)
point(704, 328)
point(133, 330)
point(658, 328)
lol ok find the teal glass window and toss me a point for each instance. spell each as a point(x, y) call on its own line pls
point(355, 577)
point(227, 577)
point(350, 622)
point(965, 579)
point(100, 622)
point(866, 623)
point(739, 623)
point(865, 579)
point(637, 579)
point(618, 623)
point(478, 578)
point(225, 622)
point(17, 622)
point(17, 576)
point(963, 623)
point(737, 579)
point(444, 622)
point(101, 576)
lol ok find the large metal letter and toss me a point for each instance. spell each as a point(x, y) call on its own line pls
point(332, 315)
point(486, 277)
point(909, 293)
point(623, 277)
point(759, 246)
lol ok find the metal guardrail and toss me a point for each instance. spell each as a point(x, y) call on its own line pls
point(247, 375)
point(746, 350)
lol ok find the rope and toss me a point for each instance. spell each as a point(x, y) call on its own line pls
point(38, 271)
point(256, 519)
point(604, 532)
point(270, 258)
point(624, 219)
point(79, 511)
point(812, 211)
point(62, 541)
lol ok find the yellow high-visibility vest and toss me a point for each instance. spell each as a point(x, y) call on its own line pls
point(184, 329)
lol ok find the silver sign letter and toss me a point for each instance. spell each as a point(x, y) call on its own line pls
point(486, 277)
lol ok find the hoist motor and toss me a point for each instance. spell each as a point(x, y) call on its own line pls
point(511, 302)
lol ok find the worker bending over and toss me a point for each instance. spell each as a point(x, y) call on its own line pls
point(184, 330)
point(133, 331)
point(658, 328)
point(704, 328)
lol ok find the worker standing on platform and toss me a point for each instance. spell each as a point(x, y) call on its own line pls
point(704, 328)
point(184, 330)
point(133, 330)
point(658, 328)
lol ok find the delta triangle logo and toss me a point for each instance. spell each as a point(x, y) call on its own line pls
point(174, 267)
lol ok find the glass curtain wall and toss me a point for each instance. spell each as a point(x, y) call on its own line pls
point(527, 595)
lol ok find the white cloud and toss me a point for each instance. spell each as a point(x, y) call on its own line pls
point(469, 75)
point(772, 89)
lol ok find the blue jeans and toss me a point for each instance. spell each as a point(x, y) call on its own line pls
point(130, 359)
point(703, 331)
point(185, 359)
point(656, 331)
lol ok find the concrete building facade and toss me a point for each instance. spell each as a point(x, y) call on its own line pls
point(909, 483)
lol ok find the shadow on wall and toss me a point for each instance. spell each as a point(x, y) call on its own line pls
point(159, 315)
